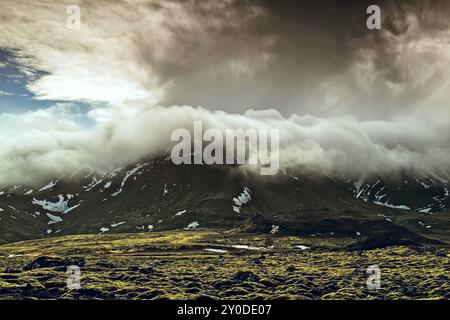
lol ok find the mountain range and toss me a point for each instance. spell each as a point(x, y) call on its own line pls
point(156, 195)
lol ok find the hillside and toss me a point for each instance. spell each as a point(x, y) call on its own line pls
point(157, 195)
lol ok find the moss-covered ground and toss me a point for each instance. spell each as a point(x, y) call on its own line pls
point(175, 265)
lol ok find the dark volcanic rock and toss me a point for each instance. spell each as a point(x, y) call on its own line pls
point(290, 269)
point(243, 276)
point(223, 284)
point(49, 262)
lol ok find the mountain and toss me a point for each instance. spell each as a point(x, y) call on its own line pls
point(157, 195)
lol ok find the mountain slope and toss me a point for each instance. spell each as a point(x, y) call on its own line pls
point(157, 195)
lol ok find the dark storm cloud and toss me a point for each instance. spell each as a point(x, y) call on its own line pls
point(284, 54)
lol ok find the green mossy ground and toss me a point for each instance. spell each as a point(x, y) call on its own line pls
point(174, 265)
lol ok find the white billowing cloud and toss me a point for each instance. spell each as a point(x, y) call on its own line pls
point(49, 143)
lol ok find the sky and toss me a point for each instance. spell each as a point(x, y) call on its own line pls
point(349, 100)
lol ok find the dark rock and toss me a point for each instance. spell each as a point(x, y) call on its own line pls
point(53, 284)
point(409, 291)
point(210, 269)
point(105, 264)
point(291, 269)
point(256, 261)
point(192, 290)
point(10, 270)
point(8, 277)
point(49, 262)
point(268, 284)
point(91, 293)
point(223, 284)
point(246, 285)
point(151, 294)
point(440, 253)
point(243, 276)
point(147, 270)
point(192, 285)
point(231, 293)
point(204, 298)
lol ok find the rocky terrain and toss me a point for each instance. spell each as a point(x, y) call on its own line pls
point(154, 230)
point(219, 265)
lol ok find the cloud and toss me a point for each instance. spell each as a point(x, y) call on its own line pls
point(5, 93)
point(346, 100)
point(295, 56)
point(49, 142)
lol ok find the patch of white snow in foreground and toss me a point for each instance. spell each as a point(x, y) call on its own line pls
point(301, 247)
point(103, 229)
point(215, 250)
point(246, 247)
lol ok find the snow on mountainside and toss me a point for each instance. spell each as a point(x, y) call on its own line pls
point(418, 194)
point(158, 195)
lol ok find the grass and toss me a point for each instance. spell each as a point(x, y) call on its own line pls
point(174, 265)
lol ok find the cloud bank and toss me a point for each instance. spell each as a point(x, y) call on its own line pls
point(49, 143)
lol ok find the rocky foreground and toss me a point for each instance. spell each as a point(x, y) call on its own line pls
point(219, 265)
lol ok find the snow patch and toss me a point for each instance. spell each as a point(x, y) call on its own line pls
point(50, 185)
point(392, 206)
point(215, 250)
point(54, 219)
point(60, 206)
point(117, 224)
point(180, 213)
point(192, 225)
point(275, 229)
point(93, 184)
point(246, 247)
point(128, 174)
